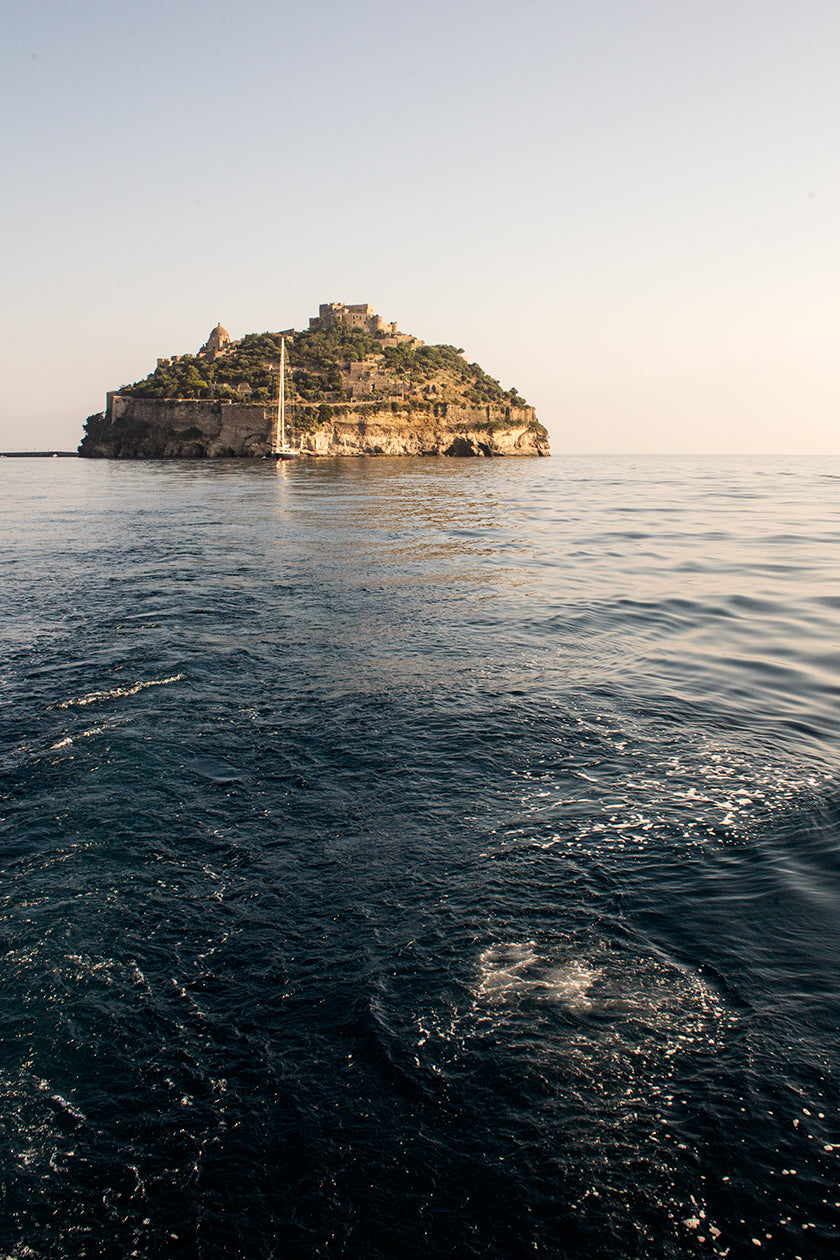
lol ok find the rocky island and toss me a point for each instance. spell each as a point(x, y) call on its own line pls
point(355, 385)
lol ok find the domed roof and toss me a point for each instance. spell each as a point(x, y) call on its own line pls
point(218, 339)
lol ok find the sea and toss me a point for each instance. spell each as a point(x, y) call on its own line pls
point(420, 858)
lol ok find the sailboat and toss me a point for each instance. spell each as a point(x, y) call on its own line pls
point(279, 449)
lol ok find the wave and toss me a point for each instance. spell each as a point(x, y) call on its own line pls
point(95, 697)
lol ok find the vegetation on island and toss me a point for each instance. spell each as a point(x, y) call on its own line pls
point(318, 371)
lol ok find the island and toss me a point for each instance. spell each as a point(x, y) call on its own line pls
point(354, 385)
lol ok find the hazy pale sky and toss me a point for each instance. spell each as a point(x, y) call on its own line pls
point(628, 209)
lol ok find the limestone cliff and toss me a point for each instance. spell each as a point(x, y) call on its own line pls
point(142, 428)
point(358, 388)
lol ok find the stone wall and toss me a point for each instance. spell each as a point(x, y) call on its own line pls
point(145, 428)
point(173, 428)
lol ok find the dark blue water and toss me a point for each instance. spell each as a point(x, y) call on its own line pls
point(420, 858)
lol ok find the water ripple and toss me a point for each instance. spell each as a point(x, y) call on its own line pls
point(412, 857)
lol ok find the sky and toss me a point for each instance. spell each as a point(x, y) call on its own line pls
point(628, 209)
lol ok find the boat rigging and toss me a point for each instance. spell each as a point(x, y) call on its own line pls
point(279, 448)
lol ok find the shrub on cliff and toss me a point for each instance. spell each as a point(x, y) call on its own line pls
point(423, 363)
point(172, 380)
point(96, 429)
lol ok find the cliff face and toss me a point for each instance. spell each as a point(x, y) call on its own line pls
point(146, 428)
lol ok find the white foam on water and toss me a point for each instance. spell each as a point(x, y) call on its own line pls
point(637, 997)
point(570, 985)
point(600, 1039)
point(509, 972)
point(94, 697)
point(613, 1033)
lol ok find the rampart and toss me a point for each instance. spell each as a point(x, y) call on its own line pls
point(148, 428)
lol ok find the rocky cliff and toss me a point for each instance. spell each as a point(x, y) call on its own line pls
point(349, 392)
point(142, 428)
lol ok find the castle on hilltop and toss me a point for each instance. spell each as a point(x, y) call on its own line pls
point(361, 316)
point(329, 314)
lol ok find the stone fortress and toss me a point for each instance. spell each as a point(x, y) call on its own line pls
point(329, 314)
point(361, 316)
point(377, 411)
point(365, 382)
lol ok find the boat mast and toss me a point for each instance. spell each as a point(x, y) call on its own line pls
point(280, 436)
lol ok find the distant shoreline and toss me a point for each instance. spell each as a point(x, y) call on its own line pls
point(38, 454)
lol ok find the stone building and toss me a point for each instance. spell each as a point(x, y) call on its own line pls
point(367, 380)
point(216, 343)
point(361, 316)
